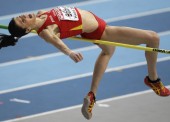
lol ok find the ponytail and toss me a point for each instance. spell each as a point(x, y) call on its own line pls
point(16, 33)
point(7, 40)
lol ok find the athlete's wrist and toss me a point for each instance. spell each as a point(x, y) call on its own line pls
point(70, 53)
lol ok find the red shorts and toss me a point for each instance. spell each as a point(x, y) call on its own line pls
point(98, 32)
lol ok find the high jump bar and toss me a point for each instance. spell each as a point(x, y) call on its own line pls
point(111, 43)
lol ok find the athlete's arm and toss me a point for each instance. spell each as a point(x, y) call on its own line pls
point(58, 43)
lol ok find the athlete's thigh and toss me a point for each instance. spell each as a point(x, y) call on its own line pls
point(126, 35)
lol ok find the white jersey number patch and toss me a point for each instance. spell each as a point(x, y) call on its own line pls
point(67, 13)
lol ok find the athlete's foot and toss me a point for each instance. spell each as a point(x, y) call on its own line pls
point(157, 87)
point(88, 104)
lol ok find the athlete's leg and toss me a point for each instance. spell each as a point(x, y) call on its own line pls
point(101, 65)
point(135, 37)
point(99, 69)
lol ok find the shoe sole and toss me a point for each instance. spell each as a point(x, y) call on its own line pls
point(84, 109)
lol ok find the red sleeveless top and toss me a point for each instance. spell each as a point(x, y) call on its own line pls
point(68, 20)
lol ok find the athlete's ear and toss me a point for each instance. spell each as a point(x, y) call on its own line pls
point(28, 30)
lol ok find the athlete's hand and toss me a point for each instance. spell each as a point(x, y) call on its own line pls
point(76, 57)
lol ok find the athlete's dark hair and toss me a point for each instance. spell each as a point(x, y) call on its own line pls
point(16, 33)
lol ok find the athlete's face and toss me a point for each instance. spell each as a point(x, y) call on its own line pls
point(25, 21)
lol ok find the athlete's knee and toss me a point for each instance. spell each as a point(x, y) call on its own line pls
point(154, 38)
point(108, 52)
